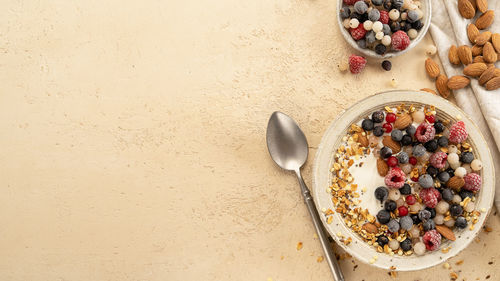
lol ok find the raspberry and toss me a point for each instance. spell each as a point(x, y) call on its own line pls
point(390, 117)
point(384, 17)
point(358, 32)
point(400, 40)
point(410, 200)
point(413, 160)
point(458, 133)
point(403, 211)
point(430, 196)
point(395, 178)
point(425, 132)
point(438, 159)
point(432, 240)
point(430, 118)
point(350, 2)
point(392, 161)
point(472, 182)
point(356, 64)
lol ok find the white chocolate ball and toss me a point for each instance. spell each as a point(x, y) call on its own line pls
point(379, 35)
point(414, 231)
point(394, 244)
point(452, 149)
point(450, 223)
point(430, 50)
point(412, 33)
point(476, 165)
point(439, 219)
point(377, 26)
point(394, 194)
point(418, 116)
point(347, 23)
point(353, 23)
point(367, 25)
point(419, 248)
point(469, 207)
point(442, 207)
point(404, 15)
point(460, 172)
point(453, 158)
point(456, 199)
point(386, 40)
point(394, 14)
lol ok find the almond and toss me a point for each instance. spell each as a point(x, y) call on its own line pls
point(465, 54)
point(453, 55)
point(473, 2)
point(382, 167)
point(495, 40)
point(472, 32)
point(455, 183)
point(482, 38)
point(487, 75)
point(403, 121)
point(493, 84)
point(475, 69)
point(458, 82)
point(466, 9)
point(489, 53)
point(446, 232)
point(442, 86)
point(485, 20)
point(476, 50)
point(478, 59)
point(363, 140)
point(390, 143)
point(429, 91)
point(432, 68)
point(482, 5)
point(370, 227)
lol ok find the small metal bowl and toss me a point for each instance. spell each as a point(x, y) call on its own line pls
point(426, 8)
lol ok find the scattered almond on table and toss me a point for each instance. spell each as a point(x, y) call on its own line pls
point(478, 60)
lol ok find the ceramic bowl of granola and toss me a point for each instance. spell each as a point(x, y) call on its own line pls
point(403, 180)
point(383, 28)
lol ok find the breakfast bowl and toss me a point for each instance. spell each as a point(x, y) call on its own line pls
point(351, 226)
point(376, 36)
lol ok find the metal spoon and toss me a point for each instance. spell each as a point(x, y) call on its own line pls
point(288, 147)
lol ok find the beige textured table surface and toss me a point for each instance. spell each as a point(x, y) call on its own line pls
point(133, 139)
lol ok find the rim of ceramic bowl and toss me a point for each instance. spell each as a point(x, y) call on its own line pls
point(322, 177)
point(370, 53)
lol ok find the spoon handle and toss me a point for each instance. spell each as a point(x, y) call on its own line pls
point(327, 248)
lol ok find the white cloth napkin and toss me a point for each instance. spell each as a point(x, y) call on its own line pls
point(449, 28)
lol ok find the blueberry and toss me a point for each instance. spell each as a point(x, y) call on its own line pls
point(406, 244)
point(406, 140)
point(465, 193)
point(378, 116)
point(417, 25)
point(359, 17)
point(395, 26)
point(447, 194)
point(367, 125)
point(429, 225)
point(425, 181)
point(380, 49)
point(390, 205)
point(361, 43)
point(383, 216)
point(431, 170)
point(374, 15)
point(377, 2)
point(393, 226)
point(461, 222)
point(387, 4)
point(406, 222)
point(405, 26)
point(411, 130)
point(418, 150)
point(424, 215)
point(467, 157)
point(439, 126)
point(397, 4)
point(345, 12)
point(432, 210)
point(405, 189)
point(386, 29)
point(382, 240)
point(370, 37)
point(456, 210)
point(360, 7)
point(381, 193)
point(450, 172)
point(443, 141)
point(397, 135)
point(386, 65)
point(415, 218)
point(412, 16)
point(385, 152)
point(443, 176)
point(378, 131)
point(403, 157)
point(431, 145)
